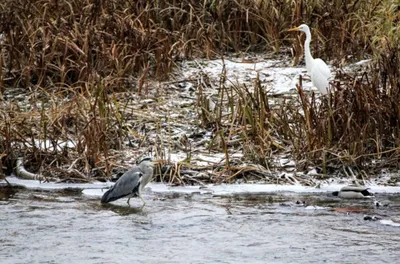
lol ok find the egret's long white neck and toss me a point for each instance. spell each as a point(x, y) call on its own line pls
point(307, 53)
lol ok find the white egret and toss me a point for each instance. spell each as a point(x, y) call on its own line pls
point(316, 68)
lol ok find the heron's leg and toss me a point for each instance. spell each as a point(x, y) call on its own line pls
point(144, 203)
point(128, 201)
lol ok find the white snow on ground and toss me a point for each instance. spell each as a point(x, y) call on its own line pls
point(389, 222)
point(279, 78)
point(37, 185)
point(279, 75)
point(98, 188)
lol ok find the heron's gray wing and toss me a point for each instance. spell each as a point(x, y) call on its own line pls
point(127, 184)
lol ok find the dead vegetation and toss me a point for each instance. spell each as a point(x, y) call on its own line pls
point(79, 66)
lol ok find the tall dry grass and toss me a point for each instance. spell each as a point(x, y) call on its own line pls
point(58, 44)
point(87, 50)
point(356, 127)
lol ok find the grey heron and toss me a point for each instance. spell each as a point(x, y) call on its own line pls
point(353, 192)
point(131, 183)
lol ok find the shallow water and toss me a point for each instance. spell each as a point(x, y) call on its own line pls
point(68, 227)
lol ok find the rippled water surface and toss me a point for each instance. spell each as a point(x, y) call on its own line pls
point(68, 227)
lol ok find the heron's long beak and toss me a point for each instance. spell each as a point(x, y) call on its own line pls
point(294, 29)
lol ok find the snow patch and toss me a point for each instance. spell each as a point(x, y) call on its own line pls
point(98, 188)
point(279, 77)
point(389, 222)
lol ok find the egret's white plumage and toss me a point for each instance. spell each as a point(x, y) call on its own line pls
point(316, 68)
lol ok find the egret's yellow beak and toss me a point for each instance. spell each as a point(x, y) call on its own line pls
point(294, 29)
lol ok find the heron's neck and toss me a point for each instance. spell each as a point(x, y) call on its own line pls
point(307, 53)
point(147, 170)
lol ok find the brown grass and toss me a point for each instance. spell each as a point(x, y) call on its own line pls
point(88, 51)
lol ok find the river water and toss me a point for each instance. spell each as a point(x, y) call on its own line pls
point(69, 227)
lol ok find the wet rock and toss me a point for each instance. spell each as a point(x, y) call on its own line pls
point(371, 218)
point(381, 203)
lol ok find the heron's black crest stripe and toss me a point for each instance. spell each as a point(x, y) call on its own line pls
point(145, 159)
